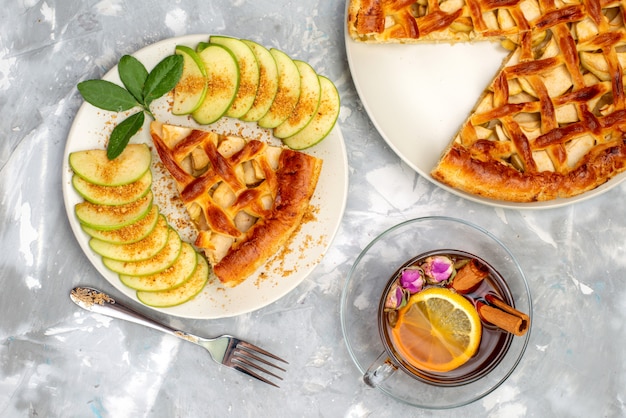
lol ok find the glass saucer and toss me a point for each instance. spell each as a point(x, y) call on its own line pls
point(369, 275)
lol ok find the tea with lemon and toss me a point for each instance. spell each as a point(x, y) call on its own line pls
point(435, 332)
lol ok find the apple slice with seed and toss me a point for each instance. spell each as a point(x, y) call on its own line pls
point(288, 91)
point(323, 121)
point(223, 83)
point(107, 217)
point(307, 105)
point(112, 195)
point(268, 82)
point(95, 167)
point(143, 249)
point(171, 277)
point(248, 74)
point(191, 89)
point(159, 262)
point(181, 294)
point(127, 234)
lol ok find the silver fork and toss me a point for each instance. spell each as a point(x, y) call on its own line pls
point(227, 350)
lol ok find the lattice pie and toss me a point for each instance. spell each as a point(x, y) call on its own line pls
point(245, 197)
point(552, 122)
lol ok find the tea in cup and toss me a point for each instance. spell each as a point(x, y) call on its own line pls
point(445, 317)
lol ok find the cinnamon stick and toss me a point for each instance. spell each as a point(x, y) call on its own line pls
point(469, 276)
point(503, 316)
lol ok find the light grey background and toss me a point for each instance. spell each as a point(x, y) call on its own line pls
point(58, 361)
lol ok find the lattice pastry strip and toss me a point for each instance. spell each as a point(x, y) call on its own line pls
point(230, 187)
point(549, 114)
point(452, 20)
point(552, 123)
point(410, 21)
point(547, 89)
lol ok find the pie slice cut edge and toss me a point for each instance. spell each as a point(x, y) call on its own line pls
point(245, 197)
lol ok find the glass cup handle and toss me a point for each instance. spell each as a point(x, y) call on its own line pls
point(379, 371)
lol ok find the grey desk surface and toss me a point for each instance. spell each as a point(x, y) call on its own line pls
point(58, 361)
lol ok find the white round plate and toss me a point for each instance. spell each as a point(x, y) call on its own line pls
point(417, 97)
point(270, 282)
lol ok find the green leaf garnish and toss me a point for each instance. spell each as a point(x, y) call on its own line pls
point(162, 78)
point(142, 88)
point(133, 75)
point(122, 133)
point(106, 95)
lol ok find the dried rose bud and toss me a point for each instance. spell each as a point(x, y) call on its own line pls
point(412, 279)
point(395, 297)
point(438, 268)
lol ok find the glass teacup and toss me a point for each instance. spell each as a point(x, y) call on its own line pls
point(494, 341)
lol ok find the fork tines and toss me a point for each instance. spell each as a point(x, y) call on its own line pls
point(246, 359)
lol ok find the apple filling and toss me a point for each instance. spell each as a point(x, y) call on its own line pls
point(245, 197)
point(226, 196)
point(558, 84)
point(249, 173)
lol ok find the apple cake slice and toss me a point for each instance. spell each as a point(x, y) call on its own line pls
point(245, 197)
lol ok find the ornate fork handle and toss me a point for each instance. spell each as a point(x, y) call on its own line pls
point(225, 349)
point(95, 301)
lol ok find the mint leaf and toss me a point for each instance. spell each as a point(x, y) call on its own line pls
point(162, 78)
point(133, 75)
point(141, 88)
point(106, 95)
point(122, 133)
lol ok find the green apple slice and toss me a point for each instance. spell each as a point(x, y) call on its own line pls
point(323, 121)
point(181, 294)
point(223, 78)
point(113, 195)
point(108, 217)
point(248, 74)
point(171, 277)
point(137, 251)
point(287, 94)
point(201, 46)
point(307, 105)
point(268, 82)
point(95, 167)
point(127, 234)
point(192, 87)
point(161, 261)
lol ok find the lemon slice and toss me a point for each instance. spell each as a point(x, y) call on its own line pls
point(437, 331)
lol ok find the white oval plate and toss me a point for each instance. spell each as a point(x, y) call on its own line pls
point(270, 282)
point(417, 97)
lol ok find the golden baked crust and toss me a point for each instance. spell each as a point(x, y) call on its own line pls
point(296, 179)
point(553, 121)
point(409, 21)
point(246, 198)
point(498, 181)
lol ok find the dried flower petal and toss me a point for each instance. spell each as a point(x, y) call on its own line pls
point(392, 317)
point(438, 268)
point(395, 297)
point(412, 279)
